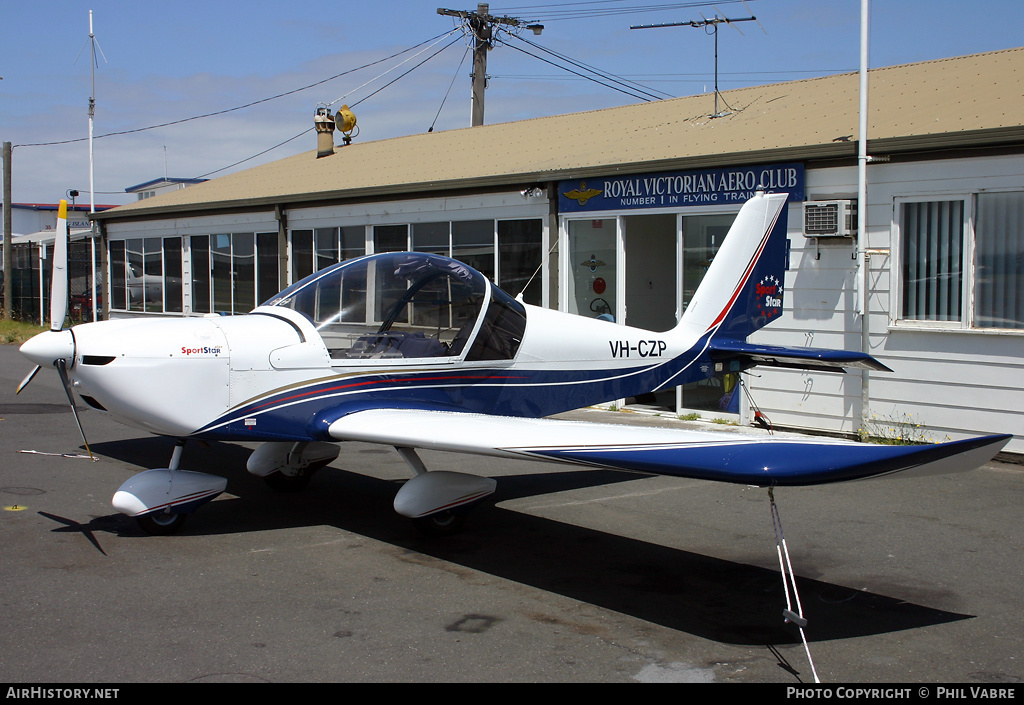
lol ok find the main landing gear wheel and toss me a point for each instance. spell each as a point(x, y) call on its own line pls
point(161, 523)
point(282, 482)
point(441, 524)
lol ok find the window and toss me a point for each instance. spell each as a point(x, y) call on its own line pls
point(520, 250)
point(268, 266)
point(514, 262)
point(962, 261)
point(302, 254)
point(390, 238)
point(233, 272)
point(932, 256)
point(999, 258)
point(200, 245)
point(172, 275)
point(473, 243)
point(118, 284)
point(138, 278)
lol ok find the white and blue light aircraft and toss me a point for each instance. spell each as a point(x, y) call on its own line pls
point(417, 351)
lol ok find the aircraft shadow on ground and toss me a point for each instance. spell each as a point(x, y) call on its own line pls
point(712, 598)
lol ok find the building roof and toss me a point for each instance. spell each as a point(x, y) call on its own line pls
point(969, 101)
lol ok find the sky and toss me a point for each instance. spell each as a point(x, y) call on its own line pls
point(172, 62)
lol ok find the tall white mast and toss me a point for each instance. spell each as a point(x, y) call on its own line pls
point(92, 179)
point(92, 112)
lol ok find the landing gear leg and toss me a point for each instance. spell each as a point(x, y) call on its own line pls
point(166, 522)
point(287, 466)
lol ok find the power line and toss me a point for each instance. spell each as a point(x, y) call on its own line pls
point(236, 108)
point(607, 76)
point(548, 13)
point(367, 97)
point(443, 100)
point(581, 75)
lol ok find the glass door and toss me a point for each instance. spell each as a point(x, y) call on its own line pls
point(591, 285)
point(702, 236)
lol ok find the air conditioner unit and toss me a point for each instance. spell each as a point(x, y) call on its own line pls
point(830, 218)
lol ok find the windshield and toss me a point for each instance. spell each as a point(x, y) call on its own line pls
point(394, 305)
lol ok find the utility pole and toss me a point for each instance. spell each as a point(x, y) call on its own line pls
point(481, 24)
point(705, 23)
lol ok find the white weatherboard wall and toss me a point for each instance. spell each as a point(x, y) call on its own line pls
point(952, 383)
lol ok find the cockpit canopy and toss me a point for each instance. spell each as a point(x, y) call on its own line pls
point(408, 305)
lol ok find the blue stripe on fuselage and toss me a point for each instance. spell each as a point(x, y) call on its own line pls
point(304, 412)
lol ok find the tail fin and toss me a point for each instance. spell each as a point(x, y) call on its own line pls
point(742, 290)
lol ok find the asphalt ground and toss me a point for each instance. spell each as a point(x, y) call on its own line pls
point(562, 576)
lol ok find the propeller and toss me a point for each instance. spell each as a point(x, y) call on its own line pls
point(56, 346)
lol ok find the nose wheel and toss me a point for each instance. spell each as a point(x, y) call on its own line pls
point(445, 523)
point(161, 523)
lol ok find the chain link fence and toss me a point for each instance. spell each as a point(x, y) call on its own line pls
point(30, 281)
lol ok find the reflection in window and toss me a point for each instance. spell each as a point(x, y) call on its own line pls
point(431, 237)
point(326, 244)
point(153, 275)
point(220, 253)
point(592, 281)
point(200, 246)
point(172, 275)
point(473, 243)
point(268, 273)
point(999, 252)
point(118, 285)
point(520, 250)
point(352, 242)
point(302, 254)
point(390, 238)
point(243, 270)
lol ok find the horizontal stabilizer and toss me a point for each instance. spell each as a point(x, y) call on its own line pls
point(749, 459)
point(799, 358)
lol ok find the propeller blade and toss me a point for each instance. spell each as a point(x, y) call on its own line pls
point(59, 278)
point(62, 370)
point(28, 378)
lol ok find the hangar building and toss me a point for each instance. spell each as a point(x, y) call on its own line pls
point(617, 212)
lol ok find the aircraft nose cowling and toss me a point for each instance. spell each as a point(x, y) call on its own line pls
point(49, 346)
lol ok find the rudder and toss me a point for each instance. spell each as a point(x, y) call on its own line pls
point(743, 288)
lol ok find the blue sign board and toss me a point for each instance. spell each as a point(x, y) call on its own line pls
point(680, 189)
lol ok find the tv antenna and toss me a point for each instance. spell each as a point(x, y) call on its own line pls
point(710, 26)
point(93, 63)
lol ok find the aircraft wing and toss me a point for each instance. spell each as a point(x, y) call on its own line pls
point(709, 455)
